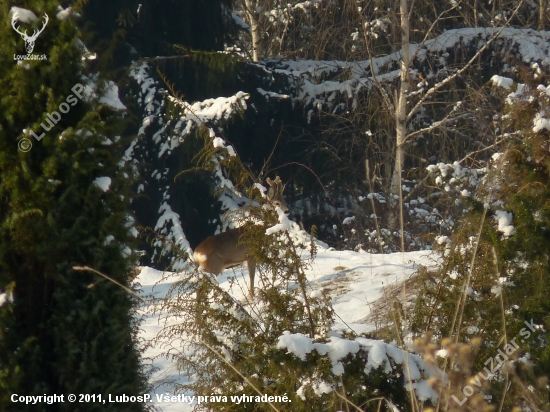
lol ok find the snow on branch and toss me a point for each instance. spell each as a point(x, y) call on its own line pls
point(208, 111)
point(313, 82)
point(501, 81)
point(495, 34)
point(380, 356)
point(19, 14)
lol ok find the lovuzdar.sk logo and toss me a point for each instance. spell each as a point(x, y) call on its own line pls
point(18, 16)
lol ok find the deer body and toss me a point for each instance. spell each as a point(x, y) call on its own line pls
point(222, 251)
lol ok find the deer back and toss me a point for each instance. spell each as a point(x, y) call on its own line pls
point(221, 251)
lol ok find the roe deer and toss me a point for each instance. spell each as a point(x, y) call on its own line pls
point(223, 250)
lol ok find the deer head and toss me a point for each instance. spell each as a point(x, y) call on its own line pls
point(223, 250)
point(275, 194)
point(29, 40)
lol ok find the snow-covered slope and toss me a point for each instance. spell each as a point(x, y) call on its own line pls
point(355, 281)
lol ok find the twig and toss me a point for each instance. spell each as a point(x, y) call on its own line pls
point(89, 269)
point(236, 370)
point(467, 66)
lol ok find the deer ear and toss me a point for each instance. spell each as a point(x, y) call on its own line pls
point(270, 182)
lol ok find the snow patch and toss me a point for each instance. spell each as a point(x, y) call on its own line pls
point(540, 122)
point(64, 14)
point(284, 223)
point(218, 142)
point(504, 220)
point(22, 15)
point(109, 96)
point(501, 81)
point(104, 183)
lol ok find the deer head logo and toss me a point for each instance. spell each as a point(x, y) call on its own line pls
point(29, 40)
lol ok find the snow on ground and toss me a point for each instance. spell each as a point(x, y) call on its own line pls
point(355, 280)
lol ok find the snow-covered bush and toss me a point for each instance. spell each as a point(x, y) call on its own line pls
point(280, 343)
point(493, 278)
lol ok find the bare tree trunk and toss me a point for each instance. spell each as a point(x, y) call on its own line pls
point(401, 125)
point(542, 17)
point(254, 29)
point(394, 35)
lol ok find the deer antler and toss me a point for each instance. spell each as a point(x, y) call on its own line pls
point(37, 32)
point(275, 182)
point(24, 35)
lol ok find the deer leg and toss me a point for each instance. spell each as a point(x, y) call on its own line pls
point(251, 264)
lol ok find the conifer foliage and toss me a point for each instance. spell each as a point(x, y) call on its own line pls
point(63, 203)
point(493, 279)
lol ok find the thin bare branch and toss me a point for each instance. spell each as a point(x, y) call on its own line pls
point(463, 69)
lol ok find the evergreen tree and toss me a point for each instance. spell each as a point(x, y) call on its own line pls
point(63, 204)
point(154, 26)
